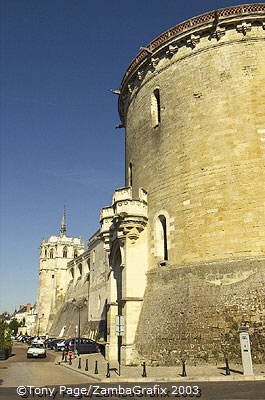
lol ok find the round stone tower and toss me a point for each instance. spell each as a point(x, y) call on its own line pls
point(192, 103)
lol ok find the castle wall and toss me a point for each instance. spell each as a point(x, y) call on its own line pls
point(87, 286)
point(193, 312)
point(98, 289)
point(204, 163)
point(198, 150)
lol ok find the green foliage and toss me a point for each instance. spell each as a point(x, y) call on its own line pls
point(5, 336)
point(14, 325)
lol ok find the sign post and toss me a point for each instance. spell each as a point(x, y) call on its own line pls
point(120, 326)
point(245, 351)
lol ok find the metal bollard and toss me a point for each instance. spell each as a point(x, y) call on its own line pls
point(86, 367)
point(70, 360)
point(144, 375)
point(96, 368)
point(183, 368)
point(63, 355)
point(79, 363)
point(227, 369)
point(108, 372)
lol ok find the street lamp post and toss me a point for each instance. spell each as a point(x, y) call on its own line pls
point(79, 307)
point(39, 318)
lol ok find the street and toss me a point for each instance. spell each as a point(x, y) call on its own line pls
point(20, 371)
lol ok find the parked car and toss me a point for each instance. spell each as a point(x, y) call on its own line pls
point(60, 346)
point(48, 341)
point(37, 340)
point(83, 346)
point(52, 343)
point(36, 350)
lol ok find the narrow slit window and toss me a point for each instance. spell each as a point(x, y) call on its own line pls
point(51, 253)
point(130, 174)
point(163, 222)
point(155, 108)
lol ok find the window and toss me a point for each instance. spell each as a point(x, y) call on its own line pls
point(65, 252)
point(80, 269)
point(130, 178)
point(164, 230)
point(155, 108)
point(52, 276)
point(75, 254)
point(72, 273)
point(161, 237)
point(45, 253)
point(51, 253)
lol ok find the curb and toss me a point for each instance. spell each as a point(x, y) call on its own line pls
point(79, 372)
point(175, 379)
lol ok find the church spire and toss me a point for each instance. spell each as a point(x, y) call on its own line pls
point(63, 223)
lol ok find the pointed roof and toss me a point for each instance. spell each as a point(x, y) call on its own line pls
point(63, 223)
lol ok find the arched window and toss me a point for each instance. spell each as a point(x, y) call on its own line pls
point(45, 252)
point(161, 237)
point(155, 108)
point(163, 222)
point(130, 174)
point(51, 253)
point(65, 252)
point(80, 269)
point(75, 253)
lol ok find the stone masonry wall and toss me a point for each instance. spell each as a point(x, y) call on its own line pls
point(194, 311)
point(203, 165)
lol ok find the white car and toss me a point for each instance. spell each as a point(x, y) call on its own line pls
point(36, 350)
point(37, 340)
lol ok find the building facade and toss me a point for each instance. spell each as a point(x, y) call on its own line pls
point(178, 264)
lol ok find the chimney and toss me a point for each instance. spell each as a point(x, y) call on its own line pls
point(21, 306)
point(28, 307)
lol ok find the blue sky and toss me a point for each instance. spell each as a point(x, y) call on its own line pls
point(59, 144)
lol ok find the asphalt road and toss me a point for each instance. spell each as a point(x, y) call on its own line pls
point(18, 370)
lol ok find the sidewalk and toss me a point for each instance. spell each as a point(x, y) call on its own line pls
point(208, 372)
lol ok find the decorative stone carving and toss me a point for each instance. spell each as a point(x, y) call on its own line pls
point(193, 41)
point(218, 33)
point(172, 50)
point(140, 75)
point(130, 88)
point(243, 28)
point(154, 61)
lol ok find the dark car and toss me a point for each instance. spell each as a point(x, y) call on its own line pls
point(83, 346)
point(48, 341)
point(52, 344)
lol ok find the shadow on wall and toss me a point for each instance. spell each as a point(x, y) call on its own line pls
point(66, 321)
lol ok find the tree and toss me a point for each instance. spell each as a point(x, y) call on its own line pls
point(5, 336)
point(14, 325)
